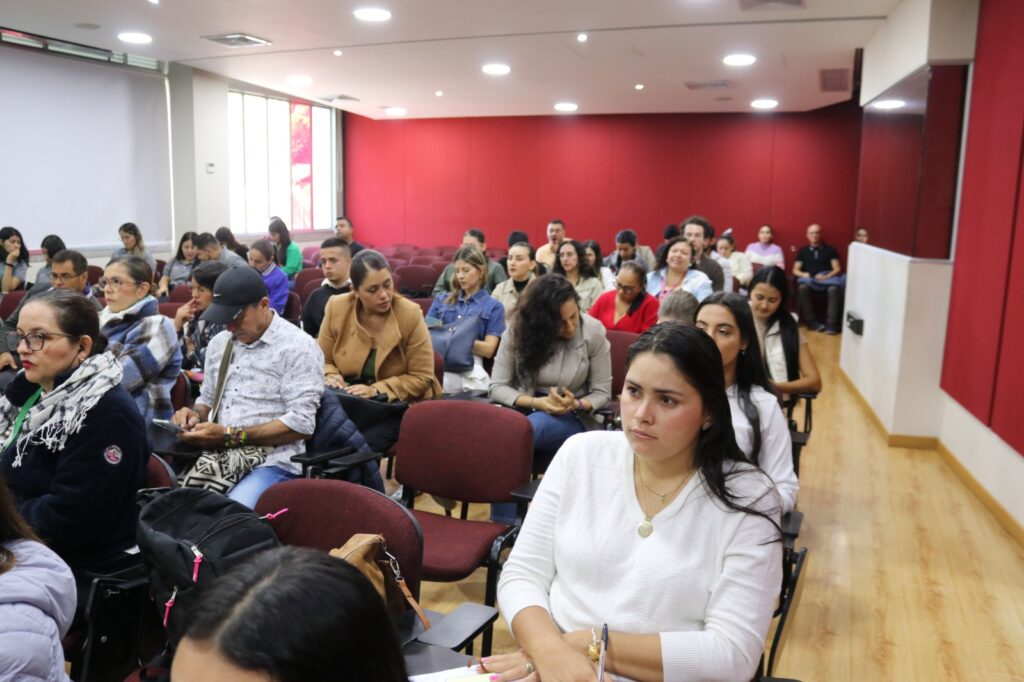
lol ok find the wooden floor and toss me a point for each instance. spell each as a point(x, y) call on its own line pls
point(908, 577)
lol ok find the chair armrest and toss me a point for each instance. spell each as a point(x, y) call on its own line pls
point(791, 525)
point(331, 461)
point(526, 493)
point(460, 627)
point(799, 438)
point(313, 458)
point(807, 396)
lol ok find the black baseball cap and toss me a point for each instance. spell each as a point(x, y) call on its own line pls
point(235, 289)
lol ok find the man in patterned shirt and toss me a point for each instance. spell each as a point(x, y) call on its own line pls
point(272, 388)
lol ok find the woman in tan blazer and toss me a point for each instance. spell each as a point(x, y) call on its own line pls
point(375, 341)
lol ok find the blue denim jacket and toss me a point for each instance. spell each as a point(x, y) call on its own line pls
point(489, 310)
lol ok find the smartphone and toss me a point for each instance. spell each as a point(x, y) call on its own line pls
point(168, 425)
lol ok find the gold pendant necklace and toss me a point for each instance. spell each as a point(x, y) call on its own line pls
point(646, 527)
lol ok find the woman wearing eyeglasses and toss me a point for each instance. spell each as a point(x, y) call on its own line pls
point(629, 308)
point(74, 447)
point(142, 339)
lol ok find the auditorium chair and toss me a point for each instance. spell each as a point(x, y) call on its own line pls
point(422, 259)
point(168, 309)
point(159, 272)
point(94, 274)
point(394, 262)
point(10, 302)
point(792, 567)
point(438, 267)
point(620, 342)
point(293, 308)
point(417, 280)
point(180, 294)
point(423, 303)
point(311, 253)
point(475, 453)
point(304, 277)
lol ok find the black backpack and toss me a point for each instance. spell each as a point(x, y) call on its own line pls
point(189, 536)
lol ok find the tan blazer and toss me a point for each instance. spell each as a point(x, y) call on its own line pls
point(405, 356)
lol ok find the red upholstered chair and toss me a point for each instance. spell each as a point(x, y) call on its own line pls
point(468, 451)
point(387, 250)
point(181, 392)
point(180, 294)
point(406, 253)
point(496, 253)
point(620, 343)
point(311, 253)
point(447, 252)
point(306, 276)
point(422, 259)
point(423, 303)
point(396, 281)
point(10, 302)
point(158, 273)
point(159, 474)
point(293, 308)
point(95, 272)
point(417, 280)
point(307, 290)
point(169, 309)
point(394, 262)
point(438, 267)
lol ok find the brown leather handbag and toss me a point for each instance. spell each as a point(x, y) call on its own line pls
point(369, 553)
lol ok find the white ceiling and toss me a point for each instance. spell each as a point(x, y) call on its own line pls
point(434, 45)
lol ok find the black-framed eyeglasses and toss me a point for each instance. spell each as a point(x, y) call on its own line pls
point(34, 340)
point(63, 277)
point(114, 283)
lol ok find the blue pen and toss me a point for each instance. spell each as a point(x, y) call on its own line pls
point(604, 652)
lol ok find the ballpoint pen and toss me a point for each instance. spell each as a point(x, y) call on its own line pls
point(604, 653)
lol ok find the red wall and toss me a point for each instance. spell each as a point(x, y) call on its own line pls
point(425, 181)
point(984, 366)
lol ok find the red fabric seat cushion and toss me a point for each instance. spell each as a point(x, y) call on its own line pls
point(453, 548)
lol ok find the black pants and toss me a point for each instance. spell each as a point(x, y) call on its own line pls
point(835, 302)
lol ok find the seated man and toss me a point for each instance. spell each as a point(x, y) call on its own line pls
point(272, 389)
point(817, 269)
point(694, 229)
point(68, 270)
point(335, 258)
point(343, 230)
point(548, 253)
point(208, 248)
point(626, 248)
point(495, 273)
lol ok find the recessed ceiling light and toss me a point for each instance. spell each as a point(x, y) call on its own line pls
point(337, 53)
point(764, 104)
point(372, 14)
point(638, 86)
point(566, 106)
point(134, 38)
point(154, 2)
point(888, 104)
point(496, 69)
point(439, 93)
point(739, 60)
point(299, 80)
point(581, 37)
point(396, 111)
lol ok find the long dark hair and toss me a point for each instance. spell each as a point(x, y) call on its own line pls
point(251, 615)
point(535, 325)
point(696, 357)
point(12, 527)
point(8, 232)
point(775, 277)
point(581, 256)
point(750, 370)
point(226, 237)
point(51, 244)
point(596, 248)
point(187, 237)
point(133, 230)
point(641, 275)
point(278, 227)
point(663, 253)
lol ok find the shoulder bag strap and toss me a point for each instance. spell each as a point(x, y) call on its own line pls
point(222, 376)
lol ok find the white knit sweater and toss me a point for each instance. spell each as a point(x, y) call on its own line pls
point(776, 455)
point(707, 579)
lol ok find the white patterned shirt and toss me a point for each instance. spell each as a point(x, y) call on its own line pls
point(278, 376)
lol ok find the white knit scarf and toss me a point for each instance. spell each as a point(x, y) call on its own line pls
point(61, 412)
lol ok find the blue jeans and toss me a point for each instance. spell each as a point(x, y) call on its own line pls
point(549, 433)
point(248, 490)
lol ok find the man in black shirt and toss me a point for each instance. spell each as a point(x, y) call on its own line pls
point(694, 228)
point(335, 257)
point(343, 230)
point(817, 269)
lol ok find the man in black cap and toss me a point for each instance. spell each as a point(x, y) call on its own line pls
point(271, 388)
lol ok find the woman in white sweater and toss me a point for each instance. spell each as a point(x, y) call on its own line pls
point(757, 420)
point(663, 531)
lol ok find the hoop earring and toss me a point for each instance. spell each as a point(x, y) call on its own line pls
point(706, 425)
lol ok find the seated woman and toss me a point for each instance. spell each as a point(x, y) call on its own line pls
point(238, 628)
point(673, 472)
point(51, 246)
point(75, 448)
point(629, 308)
point(679, 306)
point(739, 263)
point(375, 341)
point(674, 270)
point(131, 239)
point(37, 600)
point(226, 239)
point(195, 333)
point(592, 251)
point(758, 423)
point(790, 365)
point(468, 298)
point(555, 361)
point(571, 264)
point(763, 252)
point(179, 271)
point(289, 255)
point(142, 339)
point(261, 257)
point(521, 265)
point(15, 260)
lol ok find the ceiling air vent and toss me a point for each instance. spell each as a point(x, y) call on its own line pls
point(834, 80)
point(237, 40)
point(772, 4)
point(342, 98)
point(708, 85)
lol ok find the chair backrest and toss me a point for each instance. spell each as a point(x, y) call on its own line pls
point(417, 280)
point(159, 473)
point(469, 451)
point(438, 267)
point(158, 273)
point(10, 302)
point(394, 262)
point(620, 343)
point(423, 303)
point(496, 253)
point(422, 259)
point(439, 367)
point(180, 392)
point(323, 514)
point(94, 273)
point(293, 308)
point(307, 290)
point(180, 294)
point(311, 253)
point(306, 276)
point(169, 309)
